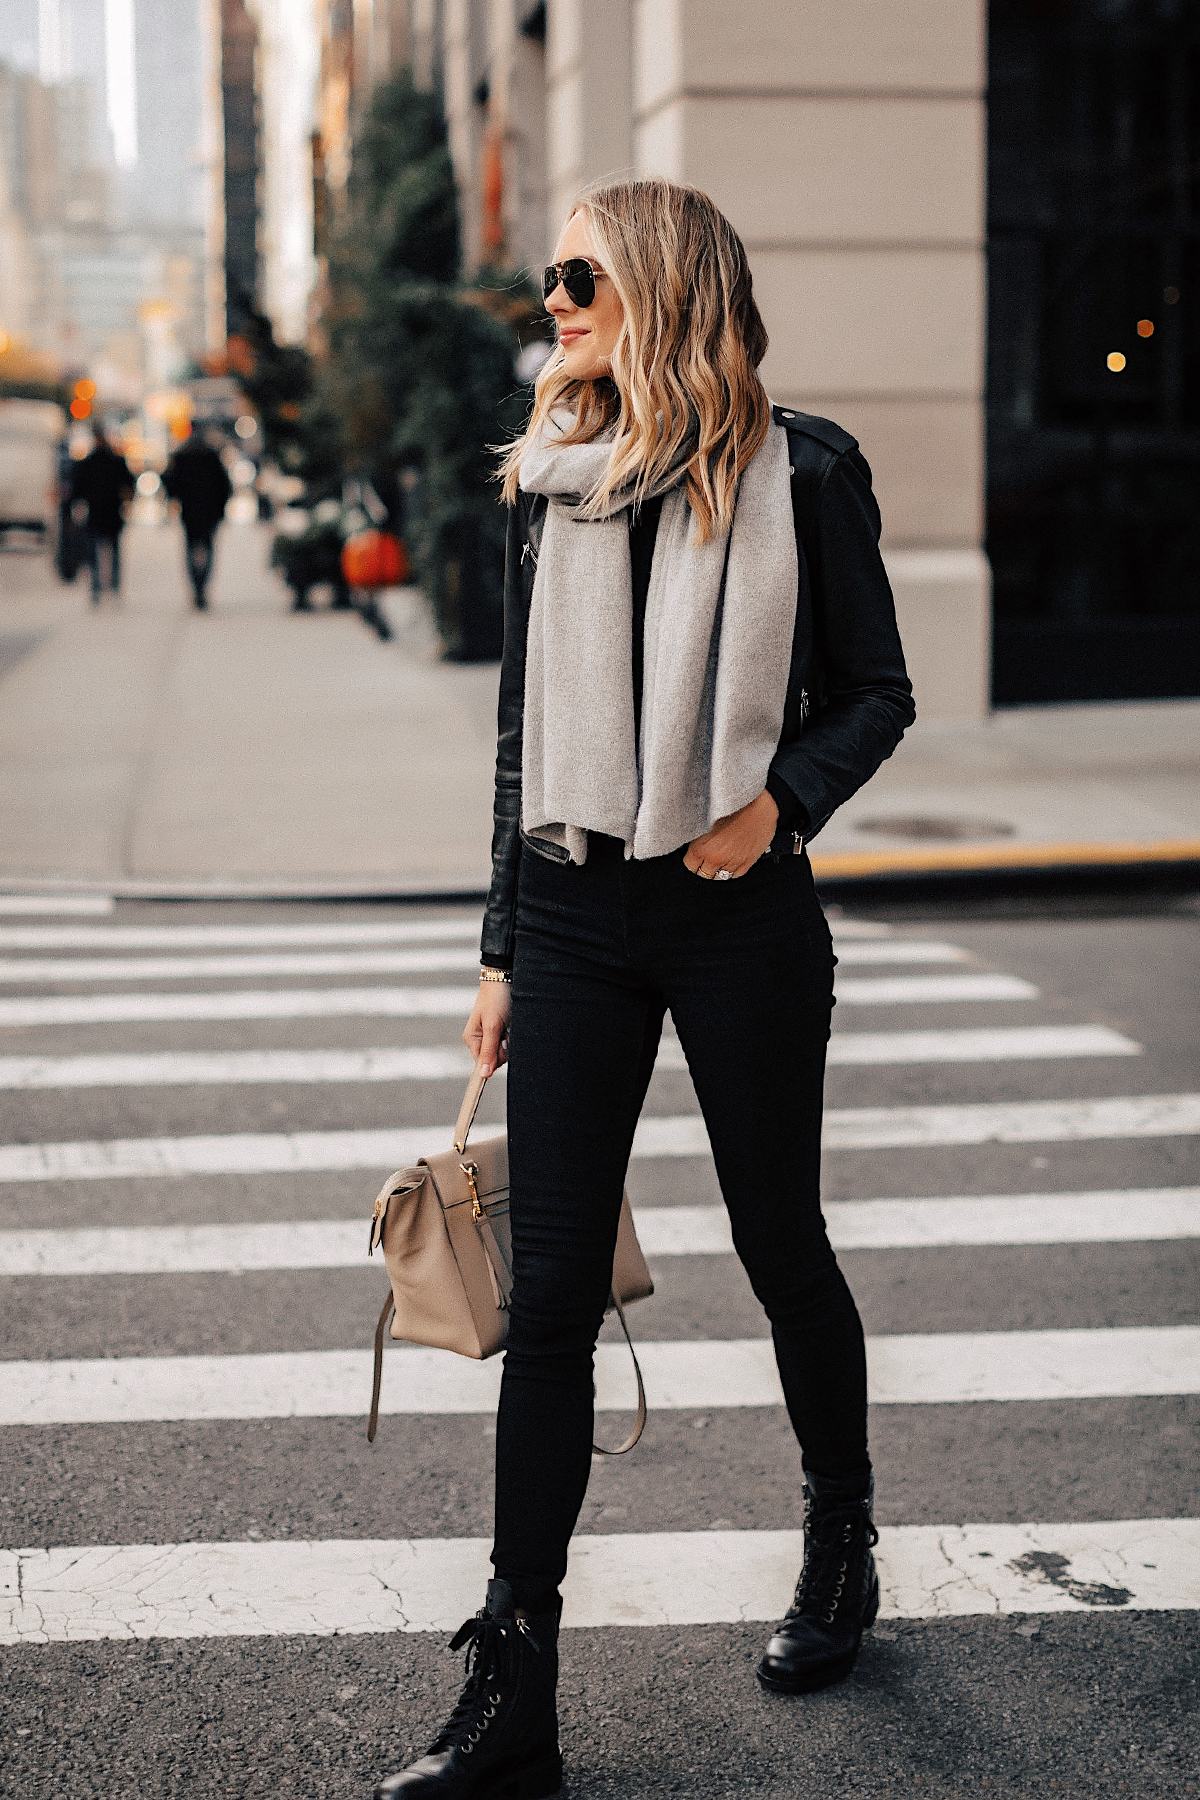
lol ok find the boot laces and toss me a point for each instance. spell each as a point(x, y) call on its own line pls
point(834, 1540)
point(490, 1651)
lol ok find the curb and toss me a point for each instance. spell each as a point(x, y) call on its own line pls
point(1023, 859)
point(1015, 874)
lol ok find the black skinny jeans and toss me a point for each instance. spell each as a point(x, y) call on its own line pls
point(746, 969)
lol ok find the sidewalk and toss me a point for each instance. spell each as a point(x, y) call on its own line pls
point(148, 748)
point(147, 743)
point(1029, 788)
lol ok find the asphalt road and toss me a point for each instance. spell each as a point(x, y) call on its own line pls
point(1070, 1695)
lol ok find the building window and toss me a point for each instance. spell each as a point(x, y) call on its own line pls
point(1094, 348)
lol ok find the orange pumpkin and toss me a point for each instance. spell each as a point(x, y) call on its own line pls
point(374, 559)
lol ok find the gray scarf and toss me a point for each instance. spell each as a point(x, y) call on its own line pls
point(718, 639)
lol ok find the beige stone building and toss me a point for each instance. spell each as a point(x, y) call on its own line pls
point(903, 233)
point(846, 143)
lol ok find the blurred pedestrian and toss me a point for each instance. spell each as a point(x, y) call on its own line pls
point(102, 483)
point(69, 554)
point(197, 479)
point(701, 664)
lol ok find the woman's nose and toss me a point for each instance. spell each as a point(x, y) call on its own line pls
point(558, 300)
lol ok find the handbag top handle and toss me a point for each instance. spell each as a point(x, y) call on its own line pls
point(468, 1109)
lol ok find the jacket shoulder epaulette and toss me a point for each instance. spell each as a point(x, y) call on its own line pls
point(824, 430)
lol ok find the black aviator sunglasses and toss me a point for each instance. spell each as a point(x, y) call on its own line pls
point(577, 276)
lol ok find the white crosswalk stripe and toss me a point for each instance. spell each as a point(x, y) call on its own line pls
point(79, 906)
point(853, 954)
point(932, 990)
point(312, 934)
point(176, 1068)
point(1112, 1216)
point(438, 1002)
point(909, 1370)
point(1011, 1122)
point(318, 1588)
point(29, 970)
point(1001, 1043)
point(1012, 1043)
point(242, 1003)
point(215, 1068)
point(684, 1134)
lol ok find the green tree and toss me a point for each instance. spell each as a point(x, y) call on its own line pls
point(421, 367)
point(277, 379)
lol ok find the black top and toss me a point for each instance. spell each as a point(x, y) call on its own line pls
point(643, 533)
point(195, 476)
point(104, 481)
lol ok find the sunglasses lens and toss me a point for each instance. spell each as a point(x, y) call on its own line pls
point(579, 281)
point(576, 277)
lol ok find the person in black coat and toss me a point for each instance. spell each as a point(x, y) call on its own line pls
point(196, 478)
point(103, 483)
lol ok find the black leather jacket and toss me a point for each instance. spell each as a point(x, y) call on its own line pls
point(849, 698)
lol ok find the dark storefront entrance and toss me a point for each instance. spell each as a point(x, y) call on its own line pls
point(1094, 348)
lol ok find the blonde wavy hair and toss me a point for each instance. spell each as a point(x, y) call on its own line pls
point(684, 368)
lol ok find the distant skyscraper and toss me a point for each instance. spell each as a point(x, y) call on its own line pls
point(106, 162)
point(168, 189)
point(19, 35)
point(240, 97)
point(83, 37)
point(121, 84)
point(288, 63)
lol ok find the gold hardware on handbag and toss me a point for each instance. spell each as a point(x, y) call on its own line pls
point(444, 1230)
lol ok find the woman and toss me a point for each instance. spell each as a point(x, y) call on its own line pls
point(700, 664)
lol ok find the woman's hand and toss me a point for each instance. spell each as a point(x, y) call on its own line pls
point(486, 1032)
point(736, 843)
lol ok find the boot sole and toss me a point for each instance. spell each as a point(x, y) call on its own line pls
point(813, 1680)
point(830, 1673)
point(536, 1782)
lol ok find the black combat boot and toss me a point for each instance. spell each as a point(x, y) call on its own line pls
point(837, 1595)
point(501, 1740)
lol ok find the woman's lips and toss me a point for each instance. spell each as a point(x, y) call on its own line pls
point(569, 337)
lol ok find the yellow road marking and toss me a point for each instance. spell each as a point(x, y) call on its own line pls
point(1002, 856)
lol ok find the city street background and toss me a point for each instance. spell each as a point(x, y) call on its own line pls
point(288, 252)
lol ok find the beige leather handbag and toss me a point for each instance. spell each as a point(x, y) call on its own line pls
point(444, 1229)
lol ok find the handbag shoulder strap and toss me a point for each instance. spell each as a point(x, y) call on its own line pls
point(389, 1307)
point(640, 1425)
point(468, 1109)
